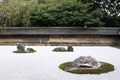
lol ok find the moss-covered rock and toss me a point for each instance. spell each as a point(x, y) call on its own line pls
point(30, 50)
point(104, 68)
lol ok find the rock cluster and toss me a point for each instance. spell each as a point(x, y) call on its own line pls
point(21, 49)
point(69, 48)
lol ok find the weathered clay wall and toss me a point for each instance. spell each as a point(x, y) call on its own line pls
point(59, 36)
point(77, 40)
point(86, 40)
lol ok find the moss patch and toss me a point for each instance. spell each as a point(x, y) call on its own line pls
point(19, 51)
point(104, 68)
point(116, 46)
point(62, 51)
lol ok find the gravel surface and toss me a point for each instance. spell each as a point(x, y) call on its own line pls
point(43, 64)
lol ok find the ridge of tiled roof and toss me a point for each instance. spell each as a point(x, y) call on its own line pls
point(59, 31)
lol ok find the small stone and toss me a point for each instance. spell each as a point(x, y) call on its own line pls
point(30, 50)
point(70, 48)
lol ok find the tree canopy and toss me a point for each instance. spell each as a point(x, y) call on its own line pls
point(91, 13)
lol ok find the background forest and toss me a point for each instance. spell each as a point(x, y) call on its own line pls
point(73, 13)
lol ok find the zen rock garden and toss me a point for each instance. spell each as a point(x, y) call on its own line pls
point(21, 49)
point(44, 64)
point(81, 65)
point(86, 65)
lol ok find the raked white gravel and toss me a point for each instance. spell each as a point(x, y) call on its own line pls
point(43, 64)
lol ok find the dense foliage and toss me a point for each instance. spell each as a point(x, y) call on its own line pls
point(23, 13)
point(111, 11)
point(65, 13)
point(16, 13)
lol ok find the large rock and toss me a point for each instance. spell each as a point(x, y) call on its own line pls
point(59, 49)
point(86, 61)
point(20, 47)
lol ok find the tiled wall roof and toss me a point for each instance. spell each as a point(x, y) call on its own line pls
point(58, 31)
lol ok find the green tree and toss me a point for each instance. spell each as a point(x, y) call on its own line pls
point(16, 13)
point(60, 13)
point(111, 10)
point(65, 13)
